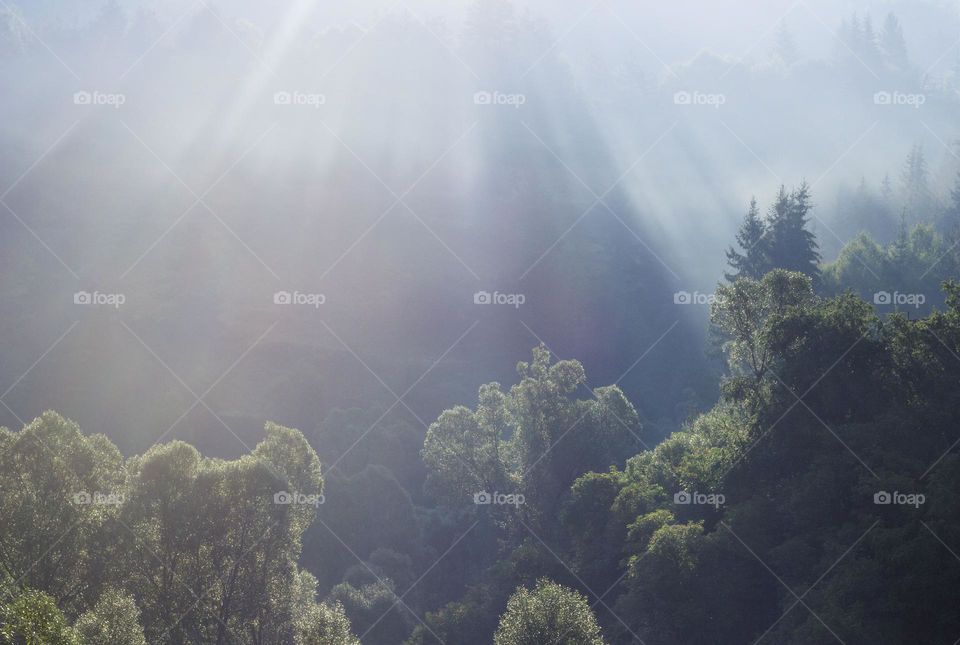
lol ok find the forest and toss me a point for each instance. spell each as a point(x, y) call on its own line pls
point(496, 322)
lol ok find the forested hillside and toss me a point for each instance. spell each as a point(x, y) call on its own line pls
point(479, 322)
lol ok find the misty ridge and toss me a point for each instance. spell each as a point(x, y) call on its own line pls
point(479, 322)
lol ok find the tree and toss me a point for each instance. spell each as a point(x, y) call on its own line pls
point(892, 43)
point(751, 261)
point(785, 48)
point(951, 214)
point(318, 623)
point(326, 624)
point(791, 245)
point(915, 181)
point(59, 490)
point(374, 609)
point(214, 543)
point(550, 613)
point(114, 620)
point(869, 45)
point(33, 618)
point(535, 439)
point(744, 318)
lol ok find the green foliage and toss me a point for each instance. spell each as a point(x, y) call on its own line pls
point(745, 314)
point(374, 610)
point(752, 262)
point(915, 263)
point(550, 613)
point(780, 241)
point(799, 479)
point(209, 550)
point(51, 480)
point(33, 618)
point(114, 620)
point(535, 439)
point(326, 625)
point(318, 623)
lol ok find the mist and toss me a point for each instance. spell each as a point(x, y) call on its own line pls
point(349, 216)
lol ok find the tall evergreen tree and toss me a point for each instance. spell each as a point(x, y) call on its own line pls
point(951, 214)
point(892, 43)
point(869, 45)
point(751, 261)
point(785, 47)
point(791, 245)
point(915, 180)
point(886, 189)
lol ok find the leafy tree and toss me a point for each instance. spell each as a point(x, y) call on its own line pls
point(33, 618)
point(114, 620)
point(915, 263)
point(213, 552)
point(535, 439)
point(374, 610)
point(550, 613)
point(55, 535)
point(318, 623)
point(326, 625)
point(744, 319)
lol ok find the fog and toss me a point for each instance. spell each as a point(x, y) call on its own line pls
point(398, 158)
point(472, 321)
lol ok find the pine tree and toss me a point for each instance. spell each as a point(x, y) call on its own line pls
point(785, 48)
point(892, 43)
point(752, 262)
point(886, 189)
point(951, 214)
point(791, 245)
point(917, 197)
point(869, 47)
